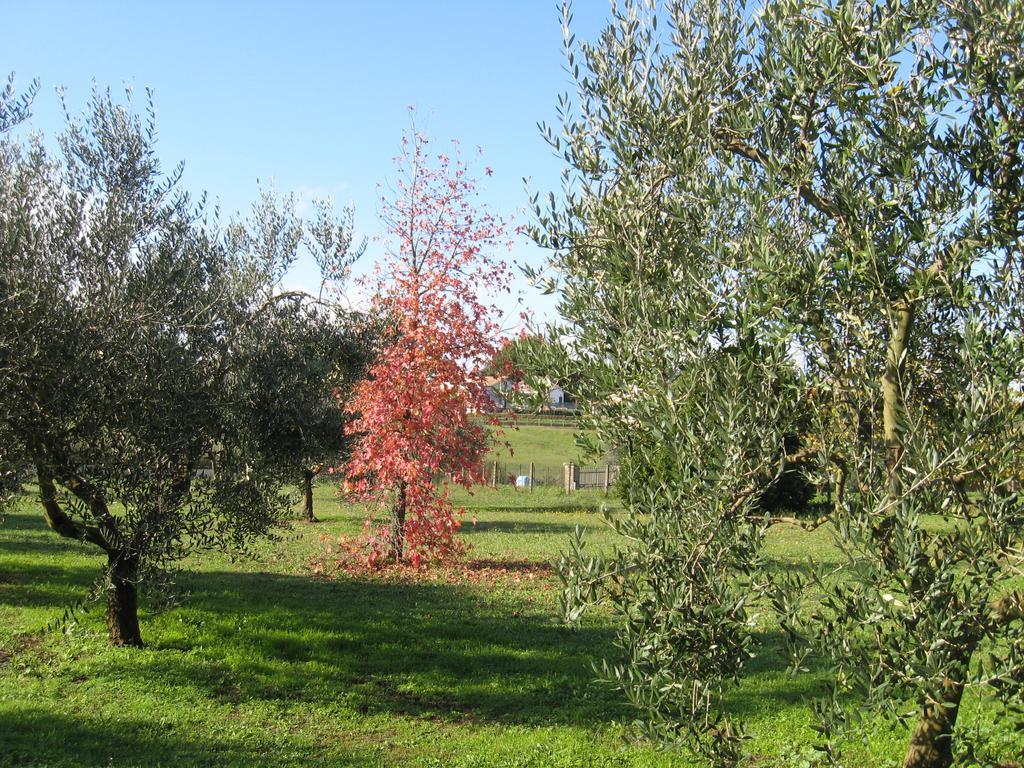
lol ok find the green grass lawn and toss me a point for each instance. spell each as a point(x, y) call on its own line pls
point(263, 664)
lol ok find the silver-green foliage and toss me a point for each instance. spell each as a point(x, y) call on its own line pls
point(14, 109)
point(800, 218)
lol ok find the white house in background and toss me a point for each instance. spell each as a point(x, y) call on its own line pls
point(558, 398)
point(500, 390)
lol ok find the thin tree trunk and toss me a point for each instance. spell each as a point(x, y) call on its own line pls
point(892, 414)
point(307, 495)
point(892, 392)
point(123, 601)
point(839, 490)
point(398, 524)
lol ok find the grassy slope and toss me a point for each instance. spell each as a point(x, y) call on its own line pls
point(264, 665)
point(540, 444)
point(548, 447)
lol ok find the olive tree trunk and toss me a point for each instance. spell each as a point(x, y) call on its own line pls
point(307, 495)
point(931, 744)
point(123, 600)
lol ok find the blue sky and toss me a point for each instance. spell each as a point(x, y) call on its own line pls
point(314, 95)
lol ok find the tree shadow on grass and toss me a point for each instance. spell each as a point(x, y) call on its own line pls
point(39, 568)
point(485, 501)
point(45, 546)
point(24, 532)
point(31, 737)
point(766, 687)
point(38, 586)
point(515, 526)
point(486, 565)
point(249, 645)
point(434, 651)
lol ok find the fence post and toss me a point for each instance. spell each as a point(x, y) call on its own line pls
point(606, 470)
point(571, 478)
point(531, 476)
point(494, 474)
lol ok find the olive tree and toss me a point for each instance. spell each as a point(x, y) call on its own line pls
point(124, 320)
point(800, 217)
point(310, 349)
point(302, 369)
point(14, 109)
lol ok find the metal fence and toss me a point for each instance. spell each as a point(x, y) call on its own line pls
point(523, 474)
point(547, 419)
point(528, 474)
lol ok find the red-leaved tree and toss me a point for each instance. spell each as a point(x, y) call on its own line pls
point(419, 409)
